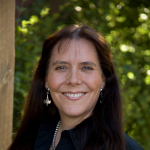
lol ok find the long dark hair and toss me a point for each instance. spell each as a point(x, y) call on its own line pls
point(107, 129)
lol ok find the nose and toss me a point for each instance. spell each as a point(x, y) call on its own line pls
point(73, 77)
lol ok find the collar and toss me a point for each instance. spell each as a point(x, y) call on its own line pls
point(46, 132)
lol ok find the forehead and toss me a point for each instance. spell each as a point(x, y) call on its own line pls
point(74, 49)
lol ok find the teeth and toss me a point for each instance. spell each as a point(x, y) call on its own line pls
point(74, 95)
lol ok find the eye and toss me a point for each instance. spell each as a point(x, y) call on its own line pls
point(87, 68)
point(60, 68)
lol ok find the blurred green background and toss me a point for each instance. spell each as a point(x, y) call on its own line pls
point(126, 26)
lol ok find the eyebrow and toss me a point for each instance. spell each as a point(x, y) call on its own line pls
point(59, 62)
point(88, 63)
point(82, 63)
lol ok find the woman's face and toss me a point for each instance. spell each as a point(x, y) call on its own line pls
point(74, 78)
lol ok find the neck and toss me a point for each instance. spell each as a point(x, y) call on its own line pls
point(69, 122)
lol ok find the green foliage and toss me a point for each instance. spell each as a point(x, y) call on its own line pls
point(124, 24)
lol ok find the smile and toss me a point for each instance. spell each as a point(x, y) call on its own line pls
point(74, 95)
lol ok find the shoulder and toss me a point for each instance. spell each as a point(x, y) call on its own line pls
point(132, 144)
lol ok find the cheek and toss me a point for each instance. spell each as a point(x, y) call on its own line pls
point(55, 81)
point(93, 81)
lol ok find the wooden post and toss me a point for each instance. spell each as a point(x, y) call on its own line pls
point(7, 59)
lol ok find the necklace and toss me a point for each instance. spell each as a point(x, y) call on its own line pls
point(54, 137)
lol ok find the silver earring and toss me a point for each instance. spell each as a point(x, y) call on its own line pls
point(47, 101)
point(101, 96)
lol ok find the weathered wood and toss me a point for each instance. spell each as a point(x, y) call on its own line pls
point(7, 57)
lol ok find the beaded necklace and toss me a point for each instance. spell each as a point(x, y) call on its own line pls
point(54, 137)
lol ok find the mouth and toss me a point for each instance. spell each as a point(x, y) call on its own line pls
point(74, 95)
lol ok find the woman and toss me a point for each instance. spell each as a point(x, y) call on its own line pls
point(74, 102)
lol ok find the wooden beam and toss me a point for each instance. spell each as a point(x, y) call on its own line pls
point(7, 59)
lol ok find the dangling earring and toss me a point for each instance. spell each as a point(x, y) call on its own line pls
point(47, 101)
point(101, 96)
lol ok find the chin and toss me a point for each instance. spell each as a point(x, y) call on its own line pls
point(76, 112)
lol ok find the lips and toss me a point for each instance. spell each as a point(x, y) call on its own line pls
point(74, 95)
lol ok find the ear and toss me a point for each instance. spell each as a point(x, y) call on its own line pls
point(103, 81)
point(46, 83)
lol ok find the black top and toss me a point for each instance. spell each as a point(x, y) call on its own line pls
point(67, 140)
